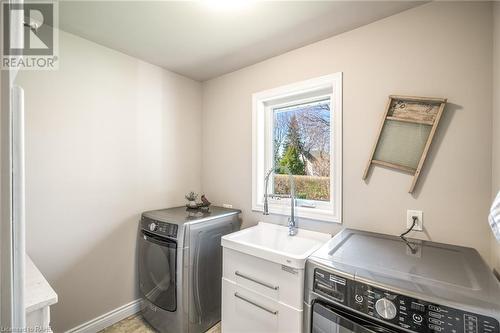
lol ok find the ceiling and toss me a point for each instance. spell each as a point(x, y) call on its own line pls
point(205, 39)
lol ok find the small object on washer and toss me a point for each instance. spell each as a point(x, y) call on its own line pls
point(205, 201)
point(191, 198)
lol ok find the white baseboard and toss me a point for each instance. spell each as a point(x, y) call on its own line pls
point(97, 324)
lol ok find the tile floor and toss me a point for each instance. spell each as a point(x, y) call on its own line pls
point(135, 324)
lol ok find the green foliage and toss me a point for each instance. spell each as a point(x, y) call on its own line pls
point(293, 136)
point(292, 155)
point(291, 159)
point(306, 187)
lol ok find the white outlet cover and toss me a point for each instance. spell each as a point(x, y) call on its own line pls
point(420, 219)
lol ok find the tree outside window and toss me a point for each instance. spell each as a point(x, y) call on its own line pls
point(301, 143)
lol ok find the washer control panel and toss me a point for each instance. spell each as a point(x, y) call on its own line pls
point(158, 227)
point(400, 310)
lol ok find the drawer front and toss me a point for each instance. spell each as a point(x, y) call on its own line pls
point(281, 283)
point(245, 311)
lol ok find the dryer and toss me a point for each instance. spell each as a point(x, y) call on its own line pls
point(180, 266)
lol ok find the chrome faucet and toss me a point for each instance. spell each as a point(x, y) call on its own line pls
point(266, 185)
point(292, 220)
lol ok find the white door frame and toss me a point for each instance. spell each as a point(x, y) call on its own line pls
point(12, 219)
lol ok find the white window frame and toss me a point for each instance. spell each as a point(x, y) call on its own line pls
point(263, 104)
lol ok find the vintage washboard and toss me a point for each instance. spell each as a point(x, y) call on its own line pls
point(405, 134)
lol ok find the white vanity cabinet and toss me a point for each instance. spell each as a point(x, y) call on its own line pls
point(279, 282)
point(260, 295)
point(263, 278)
point(244, 310)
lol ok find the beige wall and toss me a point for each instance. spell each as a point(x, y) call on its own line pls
point(440, 49)
point(495, 247)
point(106, 133)
point(108, 136)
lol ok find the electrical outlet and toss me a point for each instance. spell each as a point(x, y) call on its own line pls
point(420, 220)
point(227, 206)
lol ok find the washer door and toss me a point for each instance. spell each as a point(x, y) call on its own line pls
point(326, 319)
point(157, 270)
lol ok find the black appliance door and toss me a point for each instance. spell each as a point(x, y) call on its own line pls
point(157, 270)
point(327, 319)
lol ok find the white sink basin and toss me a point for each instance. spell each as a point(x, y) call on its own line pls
point(272, 242)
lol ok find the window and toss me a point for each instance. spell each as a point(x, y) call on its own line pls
point(297, 129)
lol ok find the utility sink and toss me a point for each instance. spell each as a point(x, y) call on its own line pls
point(272, 242)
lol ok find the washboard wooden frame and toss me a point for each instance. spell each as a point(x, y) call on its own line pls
point(413, 110)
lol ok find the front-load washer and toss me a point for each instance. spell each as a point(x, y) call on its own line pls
point(180, 266)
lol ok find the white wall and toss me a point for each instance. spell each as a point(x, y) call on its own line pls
point(440, 49)
point(108, 136)
point(495, 247)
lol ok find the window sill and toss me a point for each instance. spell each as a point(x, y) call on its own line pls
point(302, 212)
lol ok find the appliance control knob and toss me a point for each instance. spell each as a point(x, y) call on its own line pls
point(417, 318)
point(153, 226)
point(358, 298)
point(386, 309)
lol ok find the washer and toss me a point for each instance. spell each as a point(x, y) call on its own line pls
point(180, 266)
point(367, 282)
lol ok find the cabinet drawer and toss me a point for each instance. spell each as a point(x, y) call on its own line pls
point(281, 283)
point(245, 311)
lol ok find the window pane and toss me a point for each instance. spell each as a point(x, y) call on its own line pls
point(301, 144)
